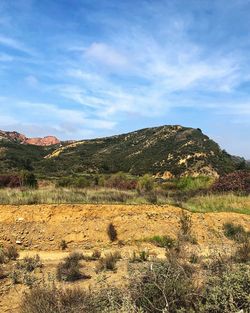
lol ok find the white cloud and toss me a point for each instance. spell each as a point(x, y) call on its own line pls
point(106, 55)
point(52, 119)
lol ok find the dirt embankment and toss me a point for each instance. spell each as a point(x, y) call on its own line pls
point(42, 227)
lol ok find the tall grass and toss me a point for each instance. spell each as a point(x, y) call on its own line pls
point(219, 203)
point(53, 195)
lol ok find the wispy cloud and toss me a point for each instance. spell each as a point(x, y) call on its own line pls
point(14, 44)
point(67, 123)
point(152, 62)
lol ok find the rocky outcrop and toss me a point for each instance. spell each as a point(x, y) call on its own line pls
point(46, 141)
point(20, 138)
point(13, 136)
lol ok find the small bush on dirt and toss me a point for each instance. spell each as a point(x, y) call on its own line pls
point(140, 256)
point(108, 263)
point(69, 270)
point(234, 232)
point(8, 253)
point(2, 274)
point(16, 276)
point(74, 257)
point(50, 299)
point(162, 241)
point(218, 264)
point(112, 233)
point(96, 255)
point(29, 264)
point(11, 252)
point(243, 251)
point(185, 232)
point(63, 245)
point(29, 279)
point(164, 287)
point(194, 258)
point(2, 256)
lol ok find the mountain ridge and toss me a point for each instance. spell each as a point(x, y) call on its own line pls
point(172, 149)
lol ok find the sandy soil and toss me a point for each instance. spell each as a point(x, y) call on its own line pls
point(39, 229)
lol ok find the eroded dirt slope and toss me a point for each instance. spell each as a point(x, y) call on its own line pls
point(42, 227)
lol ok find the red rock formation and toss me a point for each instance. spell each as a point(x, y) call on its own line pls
point(46, 141)
point(13, 136)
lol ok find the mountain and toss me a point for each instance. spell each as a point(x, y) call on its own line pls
point(171, 149)
point(17, 137)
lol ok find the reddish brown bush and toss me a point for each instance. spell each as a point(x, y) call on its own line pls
point(11, 181)
point(121, 181)
point(236, 182)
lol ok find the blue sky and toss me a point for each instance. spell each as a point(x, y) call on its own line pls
point(81, 69)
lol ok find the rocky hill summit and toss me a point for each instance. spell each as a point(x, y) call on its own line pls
point(22, 139)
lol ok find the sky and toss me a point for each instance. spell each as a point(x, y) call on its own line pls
point(81, 69)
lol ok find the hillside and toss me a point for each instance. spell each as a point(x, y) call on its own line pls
point(175, 149)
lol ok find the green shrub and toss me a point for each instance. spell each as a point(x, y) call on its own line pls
point(140, 256)
point(29, 180)
point(234, 232)
point(81, 182)
point(228, 292)
point(162, 241)
point(152, 198)
point(193, 183)
point(74, 182)
point(145, 184)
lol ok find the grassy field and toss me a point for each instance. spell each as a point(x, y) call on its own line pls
point(70, 195)
point(51, 195)
point(219, 203)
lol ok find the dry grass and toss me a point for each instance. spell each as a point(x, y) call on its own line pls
point(52, 195)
